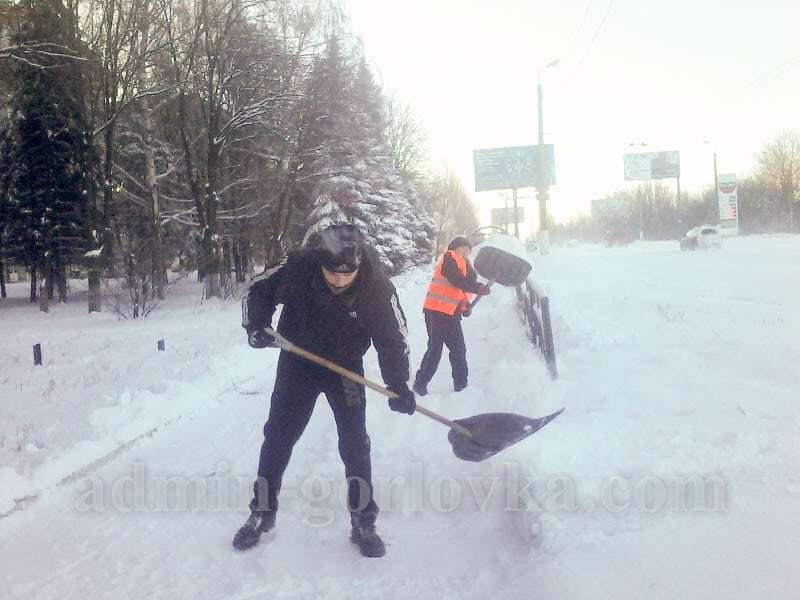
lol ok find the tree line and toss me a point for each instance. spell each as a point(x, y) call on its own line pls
point(140, 136)
point(769, 202)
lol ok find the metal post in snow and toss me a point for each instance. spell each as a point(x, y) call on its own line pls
point(516, 217)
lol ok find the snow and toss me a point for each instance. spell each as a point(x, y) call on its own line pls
point(506, 243)
point(12, 486)
point(672, 365)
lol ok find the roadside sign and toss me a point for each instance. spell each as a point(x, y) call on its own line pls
point(513, 167)
point(727, 194)
point(652, 165)
point(505, 216)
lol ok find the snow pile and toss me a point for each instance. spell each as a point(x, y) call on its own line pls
point(506, 243)
point(676, 368)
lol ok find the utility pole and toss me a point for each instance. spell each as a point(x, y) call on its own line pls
point(716, 177)
point(516, 218)
point(541, 177)
point(541, 189)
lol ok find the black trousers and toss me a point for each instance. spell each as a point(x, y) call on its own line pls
point(298, 383)
point(443, 330)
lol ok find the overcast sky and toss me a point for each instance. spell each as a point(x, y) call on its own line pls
point(670, 74)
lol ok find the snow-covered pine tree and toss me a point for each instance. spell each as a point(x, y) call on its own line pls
point(49, 149)
point(352, 168)
point(327, 212)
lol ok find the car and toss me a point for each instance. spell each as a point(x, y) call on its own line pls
point(617, 237)
point(702, 237)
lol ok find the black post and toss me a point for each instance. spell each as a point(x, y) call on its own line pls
point(37, 354)
point(550, 350)
point(161, 345)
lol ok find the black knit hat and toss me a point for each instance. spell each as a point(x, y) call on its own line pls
point(458, 242)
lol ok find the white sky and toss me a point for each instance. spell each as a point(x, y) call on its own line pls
point(670, 74)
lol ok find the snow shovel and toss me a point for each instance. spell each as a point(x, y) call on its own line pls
point(474, 438)
point(499, 266)
point(503, 267)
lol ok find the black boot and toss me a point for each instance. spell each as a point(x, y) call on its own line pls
point(248, 535)
point(420, 389)
point(363, 535)
point(459, 386)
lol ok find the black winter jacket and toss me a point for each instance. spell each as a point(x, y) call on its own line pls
point(340, 328)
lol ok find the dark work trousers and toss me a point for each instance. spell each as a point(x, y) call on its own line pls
point(298, 383)
point(443, 330)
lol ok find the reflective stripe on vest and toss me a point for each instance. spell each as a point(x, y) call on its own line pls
point(442, 295)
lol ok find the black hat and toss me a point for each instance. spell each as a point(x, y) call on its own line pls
point(458, 242)
point(340, 247)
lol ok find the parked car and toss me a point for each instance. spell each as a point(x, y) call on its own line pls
point(703, 237)
point(617, 237)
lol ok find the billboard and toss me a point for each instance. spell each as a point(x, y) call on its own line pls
point(505, 216)
point(652, 165)
point(727, 194)
point(513, 167)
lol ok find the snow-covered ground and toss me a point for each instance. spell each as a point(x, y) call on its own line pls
point(673, 472)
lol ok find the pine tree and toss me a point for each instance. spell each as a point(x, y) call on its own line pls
point(352, 168)
point(49, 150)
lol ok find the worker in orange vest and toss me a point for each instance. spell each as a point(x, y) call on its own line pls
point(449, 294)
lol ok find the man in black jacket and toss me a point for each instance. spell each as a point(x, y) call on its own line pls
point(337, 301)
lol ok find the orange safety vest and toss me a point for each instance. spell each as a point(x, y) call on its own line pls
point(443, 296)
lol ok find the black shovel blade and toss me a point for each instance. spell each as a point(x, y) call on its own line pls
point(498, 265)
point(493, 432)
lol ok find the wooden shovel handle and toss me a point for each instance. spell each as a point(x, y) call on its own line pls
point(475, 300)
point(285, 344)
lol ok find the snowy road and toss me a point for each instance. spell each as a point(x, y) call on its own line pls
point(674, 367)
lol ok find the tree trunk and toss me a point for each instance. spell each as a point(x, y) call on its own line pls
point(239, 251)
point(2, 280)
point(108, 198)
point(95, 297)
point(133, 285)
point(158, 269)
point(159, 272)
point(49, 279)
point(61, 282)
point(246, 252)
point(33, 284)
point(44, 286)
point(225, 265)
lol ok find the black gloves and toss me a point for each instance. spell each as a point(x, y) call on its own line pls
point(258, 338)
point(483, 290)
point(405, 401)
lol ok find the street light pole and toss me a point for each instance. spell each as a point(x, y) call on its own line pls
point(541, 178)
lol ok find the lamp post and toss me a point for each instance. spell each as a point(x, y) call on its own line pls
point(541, 181)
point(716, 176)
point(641, 198)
